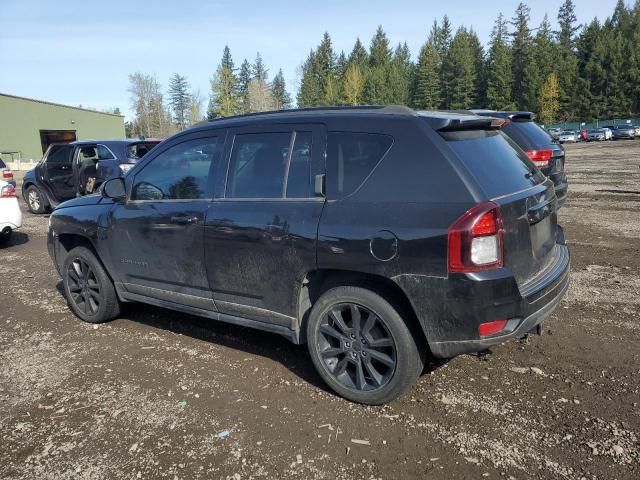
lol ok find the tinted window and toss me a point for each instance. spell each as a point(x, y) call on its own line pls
point(60, 154)
point(184, 171)
point(351, 157)
point(94, 153)
point(257, 165)
point(527, 135)
point(136, 151)
point(299, 183)
point(2, 164)
point(499, 166)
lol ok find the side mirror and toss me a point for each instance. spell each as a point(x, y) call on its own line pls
point(114, 189)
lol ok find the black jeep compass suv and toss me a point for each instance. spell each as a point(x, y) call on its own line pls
point(375, 235)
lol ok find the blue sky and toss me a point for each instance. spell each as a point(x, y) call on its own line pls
point(80, 52)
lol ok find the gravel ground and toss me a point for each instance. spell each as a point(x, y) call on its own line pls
point(159, 394)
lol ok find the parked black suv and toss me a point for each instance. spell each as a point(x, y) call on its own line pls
point(374, 235)
point(538, 144)
point(68, 170)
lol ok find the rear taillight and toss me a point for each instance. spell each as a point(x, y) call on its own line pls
point(475, 240)
point(7, 174)
point(8, 191)
point(540, 157)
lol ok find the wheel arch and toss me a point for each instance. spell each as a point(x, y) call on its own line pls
point(319, 281)
point(69, 241)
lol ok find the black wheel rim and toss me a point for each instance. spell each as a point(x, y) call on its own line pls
point(83, 286)
point(356, 347)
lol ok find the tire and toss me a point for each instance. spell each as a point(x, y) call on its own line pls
point(89, 290)
point(5, 236)
point(36, 202)
point(344, 353)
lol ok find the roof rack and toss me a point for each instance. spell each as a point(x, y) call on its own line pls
point(383, 109)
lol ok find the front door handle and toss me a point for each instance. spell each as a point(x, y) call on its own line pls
point(184, 220)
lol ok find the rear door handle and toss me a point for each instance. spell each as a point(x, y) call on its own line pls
point(184, 220)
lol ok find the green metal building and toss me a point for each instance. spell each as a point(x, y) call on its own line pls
point(28, 127)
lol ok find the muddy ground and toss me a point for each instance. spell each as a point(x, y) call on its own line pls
point(152, 395)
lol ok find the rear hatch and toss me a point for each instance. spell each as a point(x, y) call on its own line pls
point(526, 198)
point(536, 142)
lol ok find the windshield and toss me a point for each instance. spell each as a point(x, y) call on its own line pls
point(568, 133)
point(497, 163)
point(597, 130)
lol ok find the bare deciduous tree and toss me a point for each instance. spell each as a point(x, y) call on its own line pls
point(260, 96)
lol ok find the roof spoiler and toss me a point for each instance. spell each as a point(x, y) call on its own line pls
point(461, 120)
point(522, 116)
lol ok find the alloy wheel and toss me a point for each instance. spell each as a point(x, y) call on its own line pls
point(357, 347)
point(83, 287)
point(34, 200)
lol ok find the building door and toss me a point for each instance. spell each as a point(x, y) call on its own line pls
point(47, 137)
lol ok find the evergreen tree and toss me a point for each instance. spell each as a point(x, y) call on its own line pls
point(311, 91)
point(479, 61)
point(179, 100)
point(244, 77)
point(544, 59)
point(521, 57)
point(377, 89)
point(359, 56)
point(567, 63)
point(259, 70)
point(426, 90)
point(499, 74)
point(459, 72)
point(281, 97)
point(325, 66)
point(224, 89)
point(441, 36)
point(400, 73)
point(591, 81)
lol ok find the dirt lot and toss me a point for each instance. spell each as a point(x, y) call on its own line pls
point(149, 395)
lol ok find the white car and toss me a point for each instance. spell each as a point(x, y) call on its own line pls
point(608, 133)
point(10, 214)
point(568, 136)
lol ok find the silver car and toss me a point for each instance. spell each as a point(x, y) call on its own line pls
point(568, 136)
point(596, 135)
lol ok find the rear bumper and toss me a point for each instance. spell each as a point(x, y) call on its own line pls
point(450, 315)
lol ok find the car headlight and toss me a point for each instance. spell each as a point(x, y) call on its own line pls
point(125, 167)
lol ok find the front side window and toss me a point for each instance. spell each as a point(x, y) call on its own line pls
point(183, 172)
point(60, 155)
point(351, 157)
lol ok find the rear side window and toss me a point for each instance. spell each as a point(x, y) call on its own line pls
point(351, 157)
point(257, 165)
point(496, 162)
point(2, 164)
point(528, 135)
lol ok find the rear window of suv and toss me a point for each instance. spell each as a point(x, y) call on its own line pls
point(496, 162)
point(527, 133)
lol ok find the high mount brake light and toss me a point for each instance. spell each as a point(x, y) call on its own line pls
point(475, 240)
point(540, 157)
